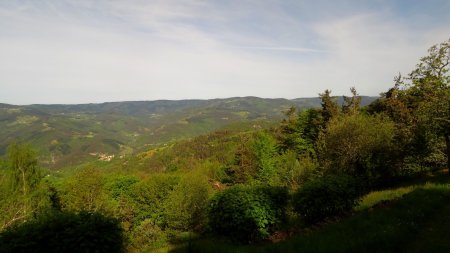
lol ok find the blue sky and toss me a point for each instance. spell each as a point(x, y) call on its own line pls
point(84, 51)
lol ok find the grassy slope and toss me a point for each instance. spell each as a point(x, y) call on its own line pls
point(407, 219)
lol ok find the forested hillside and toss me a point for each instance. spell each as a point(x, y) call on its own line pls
point(71, 134)
point(333, 175)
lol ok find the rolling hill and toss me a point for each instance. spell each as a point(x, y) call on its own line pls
point(71, 134)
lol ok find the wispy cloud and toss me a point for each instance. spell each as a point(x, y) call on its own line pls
point(290, 49)
point(91, 51)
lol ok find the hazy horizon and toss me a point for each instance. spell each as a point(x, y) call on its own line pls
point(182, 99)
point(77, 52)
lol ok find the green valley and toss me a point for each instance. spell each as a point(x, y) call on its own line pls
point(72, 134)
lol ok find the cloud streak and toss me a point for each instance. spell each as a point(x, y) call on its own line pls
point(289, 49)
point(94, 51)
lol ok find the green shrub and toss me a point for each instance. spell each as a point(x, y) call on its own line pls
point(326, 197)
point(358, 145)
point(85, 191)
point(147, 197)
point(64, 232)
point(247, 213)
point(294, 171)
point(146, 237)
point(186, 205)
point(264, 150)
point(120, 185)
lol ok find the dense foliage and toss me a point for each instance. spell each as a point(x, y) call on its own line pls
point(417, 222)
point(358, 145)
point(325, 197)
point(419, 105)
point(64, 232)
point(23, 193)
point(247, 213)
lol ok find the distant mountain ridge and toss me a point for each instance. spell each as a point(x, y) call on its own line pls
point(71, 134)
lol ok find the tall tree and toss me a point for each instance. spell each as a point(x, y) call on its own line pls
point(419, 104)
point(24, 170)
point(264, 150)
point(299, 131)
point(351, 104)
point(19, 185)
point(330, 107)
point(428, 93)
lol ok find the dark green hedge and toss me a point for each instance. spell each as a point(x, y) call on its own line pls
point(64, 232)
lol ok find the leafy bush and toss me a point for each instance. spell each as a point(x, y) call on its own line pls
point(146, 237)
point(147, 197)
point(264, 150)
point(64, 232)
point(358, 145)
point(186, 205)
point(247, 213)
point(326, 197)
point(294, 171)
point(85, 191)
point(120, 185)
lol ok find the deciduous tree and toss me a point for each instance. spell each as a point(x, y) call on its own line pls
point(20, 180)
point(428, 92)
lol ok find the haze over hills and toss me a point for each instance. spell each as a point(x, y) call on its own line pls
point(72, 134)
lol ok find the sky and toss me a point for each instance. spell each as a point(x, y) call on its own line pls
point(86, 51)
